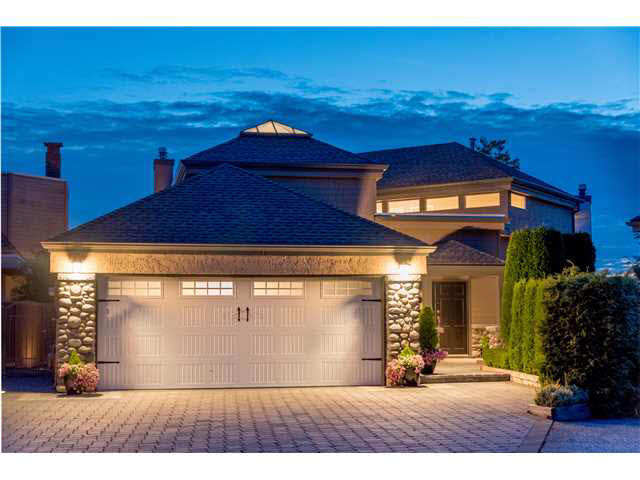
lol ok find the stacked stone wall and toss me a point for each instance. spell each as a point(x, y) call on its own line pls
point(75, 319)
point(403, 309)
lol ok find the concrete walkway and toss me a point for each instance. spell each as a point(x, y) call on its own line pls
point(597, 435)
point(465, 417)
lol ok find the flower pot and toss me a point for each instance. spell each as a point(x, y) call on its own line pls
point(70, 386)
point(429, 368)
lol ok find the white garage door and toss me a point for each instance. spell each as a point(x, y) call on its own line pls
point(237, 332)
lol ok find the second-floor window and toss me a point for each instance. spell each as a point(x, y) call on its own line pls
point(518, 201)
point(482, 200)
point(442, 203)
point(378, 207)
point(404, 206)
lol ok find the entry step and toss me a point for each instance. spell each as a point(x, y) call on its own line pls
point(465, 377)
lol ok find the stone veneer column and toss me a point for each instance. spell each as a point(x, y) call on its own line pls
point(75, 318)
point(403, 309)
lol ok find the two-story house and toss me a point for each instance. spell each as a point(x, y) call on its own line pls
point(276, 259)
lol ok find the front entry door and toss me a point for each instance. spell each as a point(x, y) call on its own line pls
point(450, 300)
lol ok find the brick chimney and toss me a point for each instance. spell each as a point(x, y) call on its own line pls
point(162, 171)
point(53, 162)
point(472, 143)
point(582, 218)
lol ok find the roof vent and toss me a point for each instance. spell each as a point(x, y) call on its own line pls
point(271, 127)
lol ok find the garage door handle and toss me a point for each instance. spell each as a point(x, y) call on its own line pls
point(238, 313)
point(247, 314)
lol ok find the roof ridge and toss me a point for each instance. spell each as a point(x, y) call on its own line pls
point(468, 247)
point(406, 148)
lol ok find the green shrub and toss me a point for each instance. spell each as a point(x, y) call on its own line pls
point(555, 395)
point(514, 346)
point(540, 318)
point(579, 250)
point(532, 253)
point(528, 326)
point(428, 330)
point(74, 359)
point(495, 357)
point(407, 351)
point(590, 338)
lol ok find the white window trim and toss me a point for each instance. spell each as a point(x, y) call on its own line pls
point(348, 295)
point(482, 206)
point(134, 279)
point(207, 279)
point(275, 297)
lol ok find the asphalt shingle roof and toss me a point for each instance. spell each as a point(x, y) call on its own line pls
point(229, 206)
point(453, 252)
point(274, 149)
point(443, 163)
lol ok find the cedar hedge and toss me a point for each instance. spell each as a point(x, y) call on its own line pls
point(590, 337)
point(579, 250)
point(514, 346)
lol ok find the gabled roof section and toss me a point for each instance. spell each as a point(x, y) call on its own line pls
point(230, 206)
point(271, 127)
point(445, 163)
point(453, 252)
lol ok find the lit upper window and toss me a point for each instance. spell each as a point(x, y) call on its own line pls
point(206, 288)
point(378, 207)
point(135, 288)
point(482, 200)
point(404, 206)
point(442, 203)
point(518, 201)
point(275, 128)
point(273, 288)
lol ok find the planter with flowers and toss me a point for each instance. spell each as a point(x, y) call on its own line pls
point(78, 377)
point(428, 338)
point(405, 370)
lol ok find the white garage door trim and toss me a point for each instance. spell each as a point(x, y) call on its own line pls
point(326, 336)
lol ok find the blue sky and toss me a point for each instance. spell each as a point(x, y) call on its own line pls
point(565, 99)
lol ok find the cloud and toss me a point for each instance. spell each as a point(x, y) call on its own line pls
point(564, 143)
point(178, 73)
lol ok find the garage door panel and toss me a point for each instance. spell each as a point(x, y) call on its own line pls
point(182, 341)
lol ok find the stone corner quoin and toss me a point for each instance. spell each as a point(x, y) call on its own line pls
point(403, 310)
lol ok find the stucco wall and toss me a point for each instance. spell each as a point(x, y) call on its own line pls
point(354, 195)
point(434, 231)
point(233, 264)
point(539, 213)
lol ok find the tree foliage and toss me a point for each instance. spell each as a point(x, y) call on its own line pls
point(579, 250)
point(37, 280)
point(496, 149)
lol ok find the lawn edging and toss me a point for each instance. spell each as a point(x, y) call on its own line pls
point(522, 378)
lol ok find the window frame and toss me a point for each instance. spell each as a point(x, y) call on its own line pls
point(348, 295)
point(278, 280)
point(518, 195)
point(466, 205)
point(109, 288)
point(234, 287)
point(390, 202)
point(426, 203)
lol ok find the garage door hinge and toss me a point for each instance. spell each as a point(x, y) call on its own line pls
point(108, 299)
point(372, 300)
point(100, 362)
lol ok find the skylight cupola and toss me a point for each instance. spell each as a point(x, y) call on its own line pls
point(271, 127)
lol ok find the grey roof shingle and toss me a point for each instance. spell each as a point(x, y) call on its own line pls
point(227, 205)
point(444, 163)
point(274, 149)
point(453, 252)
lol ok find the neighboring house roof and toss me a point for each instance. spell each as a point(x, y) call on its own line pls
point(227, 205)
point(274, 148)
point(444, 163)
point(453, 252)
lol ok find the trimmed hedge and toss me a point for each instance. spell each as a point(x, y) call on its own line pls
point(495, 357)
point(532, 253)
point(529, 325)
point(579, 250)
point(590, 337)
point(514, 346)
point(427, 330)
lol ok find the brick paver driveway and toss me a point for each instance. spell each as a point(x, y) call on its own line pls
point(480, 417)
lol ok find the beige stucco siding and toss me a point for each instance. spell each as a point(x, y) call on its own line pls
point(484, 300)
point(233, 264)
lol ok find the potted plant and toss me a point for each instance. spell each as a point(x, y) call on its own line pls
point(429, 340)
point(561, 403)
point(405, 370)
point(77, 376)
